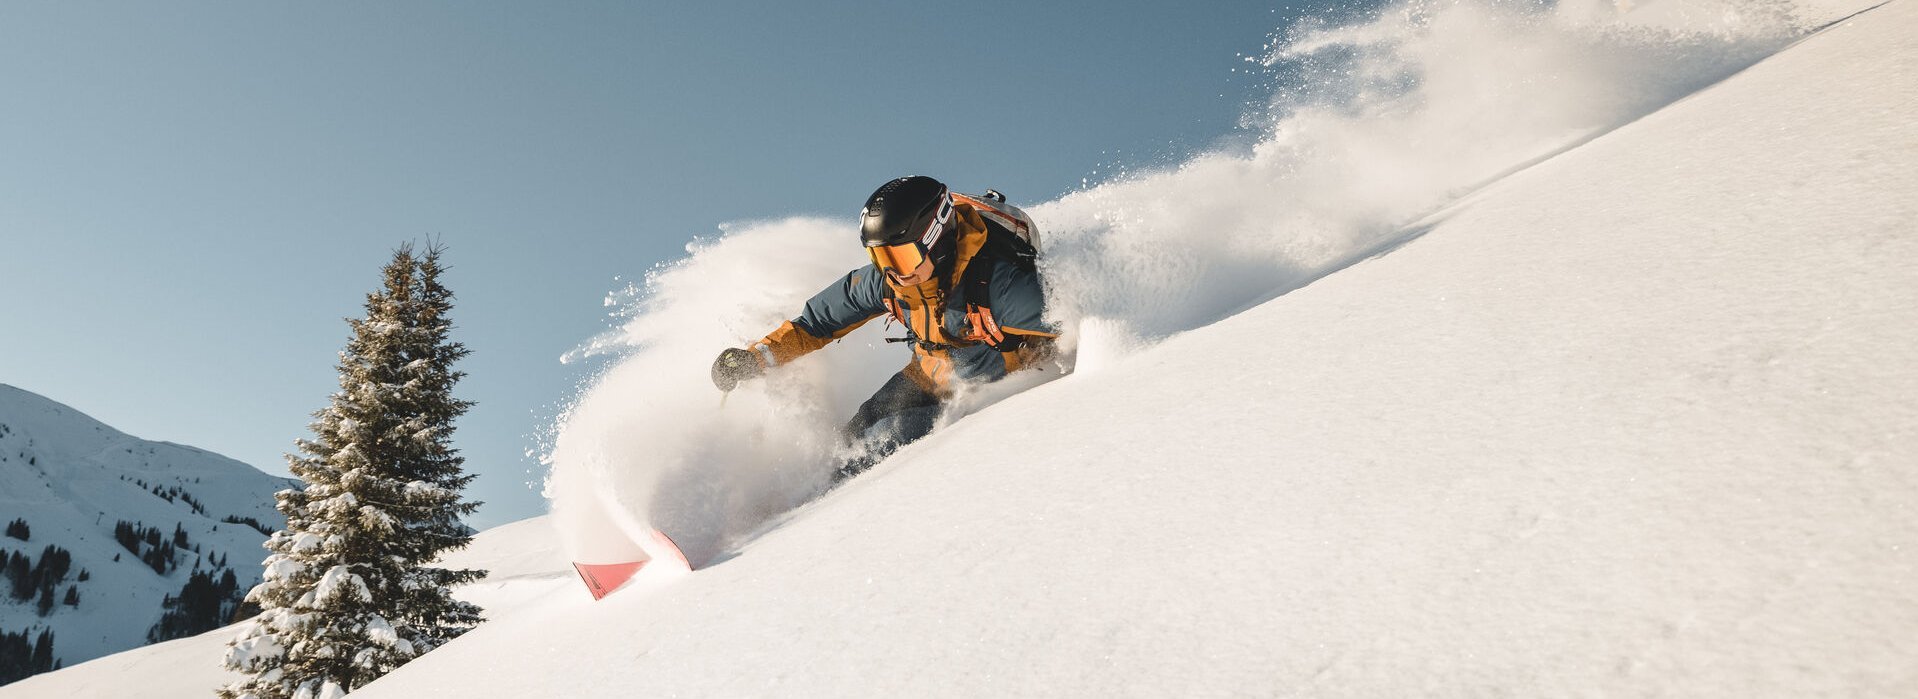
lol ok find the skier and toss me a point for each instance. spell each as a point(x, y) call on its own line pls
point(957, 272)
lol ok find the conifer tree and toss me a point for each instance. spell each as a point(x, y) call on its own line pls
point(349, 593)
point(43, 651)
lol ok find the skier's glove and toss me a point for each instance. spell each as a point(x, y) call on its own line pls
point(735, 365)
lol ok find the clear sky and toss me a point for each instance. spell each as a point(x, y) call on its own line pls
point(194, 195)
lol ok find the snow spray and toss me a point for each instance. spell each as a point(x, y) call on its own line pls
point(1373, 125)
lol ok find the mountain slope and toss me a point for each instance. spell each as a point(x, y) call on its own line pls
point(73, 479)
point(524, 567)
point(1635, 420)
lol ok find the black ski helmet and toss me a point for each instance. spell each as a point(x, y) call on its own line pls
point(908, 209)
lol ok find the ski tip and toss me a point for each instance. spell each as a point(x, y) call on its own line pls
point(668, 553)
point(603, 578)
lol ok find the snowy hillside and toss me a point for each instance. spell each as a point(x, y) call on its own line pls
point(1634, 420)
point(73, 481)
point(526, 567)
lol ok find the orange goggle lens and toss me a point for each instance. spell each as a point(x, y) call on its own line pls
point(901, 259)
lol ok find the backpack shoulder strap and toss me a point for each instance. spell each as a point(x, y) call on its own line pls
point(976, 285)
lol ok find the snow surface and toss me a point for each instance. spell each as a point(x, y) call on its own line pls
point(73, 478)
point(1635, 420)
point(1627, 409)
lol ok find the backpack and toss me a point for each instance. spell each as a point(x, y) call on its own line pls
point(1010, 235)
point(993, 208)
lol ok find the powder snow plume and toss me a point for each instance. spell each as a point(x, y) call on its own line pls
point(1374, 124)
point(652, 435)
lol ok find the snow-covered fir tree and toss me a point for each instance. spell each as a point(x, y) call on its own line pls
point(348, 593)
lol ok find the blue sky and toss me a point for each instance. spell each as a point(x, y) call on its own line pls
point(193, 195)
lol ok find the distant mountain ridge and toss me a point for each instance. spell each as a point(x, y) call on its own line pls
point(114, 527)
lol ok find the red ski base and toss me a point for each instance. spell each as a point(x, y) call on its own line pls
point(603, 578)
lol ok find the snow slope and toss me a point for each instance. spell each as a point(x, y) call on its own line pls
point(72, 479)
point(525, 566)
point(1635, 420)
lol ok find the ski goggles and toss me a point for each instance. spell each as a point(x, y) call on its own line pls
point(899, 259)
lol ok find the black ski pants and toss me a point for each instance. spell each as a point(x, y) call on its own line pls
point(898, 413)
